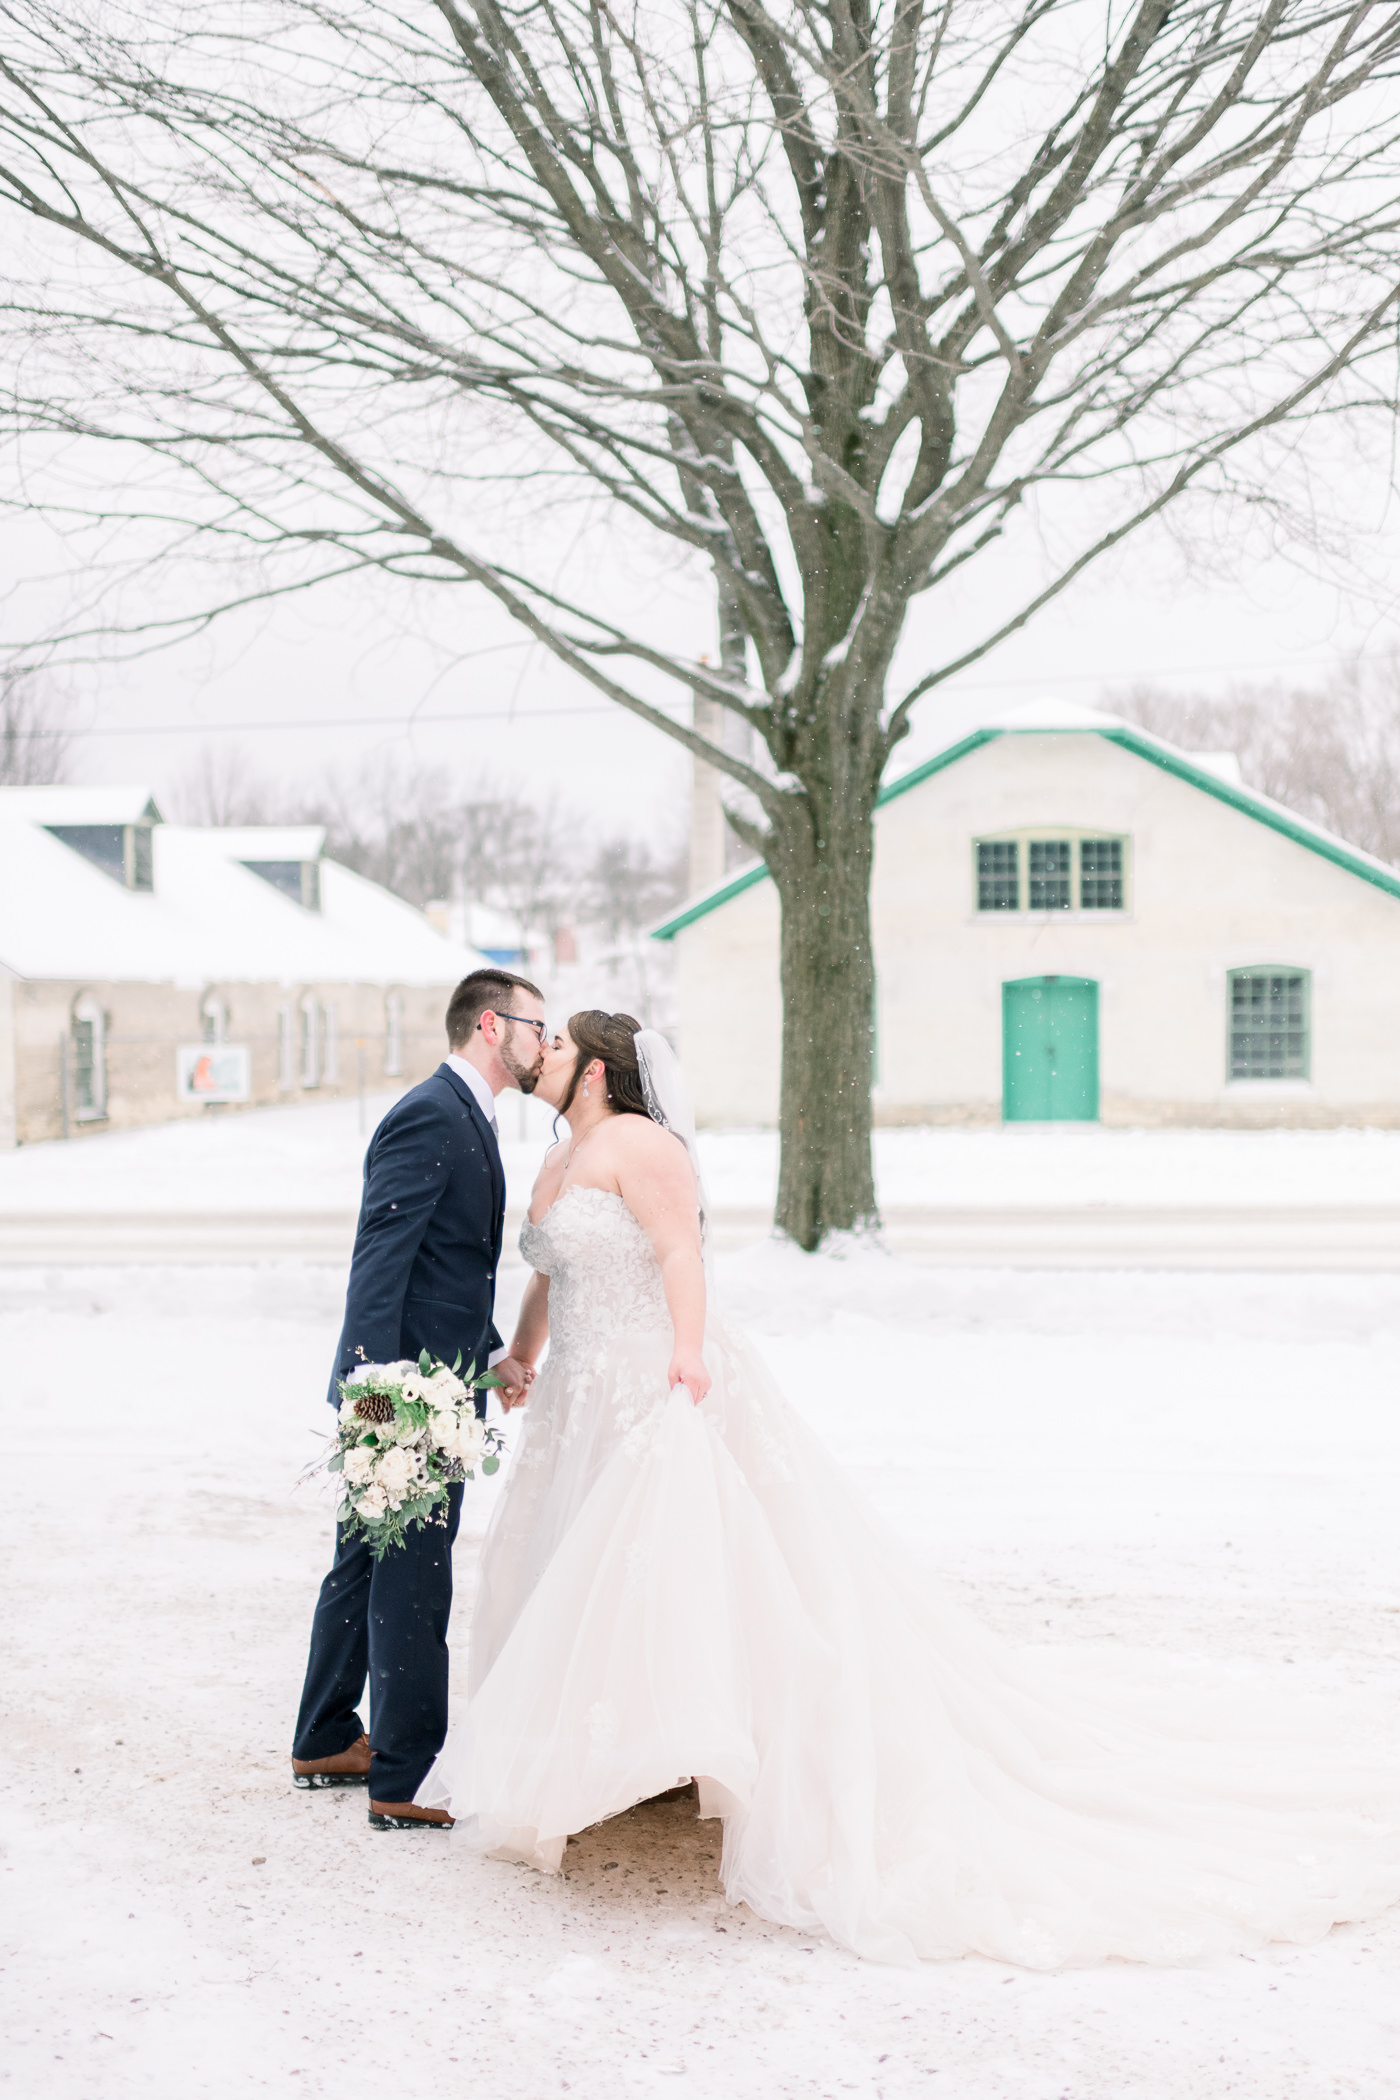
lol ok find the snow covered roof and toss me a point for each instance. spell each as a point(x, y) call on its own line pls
point(209, 918)
point(1214, 773)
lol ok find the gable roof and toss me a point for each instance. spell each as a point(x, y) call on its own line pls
point(1196, 771)
point(81, 805)
point(209, 917)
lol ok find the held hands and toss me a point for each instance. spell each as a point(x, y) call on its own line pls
point(687, 1368)
point(516, 1380)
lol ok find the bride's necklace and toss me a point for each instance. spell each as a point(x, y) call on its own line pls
point(577, 1143)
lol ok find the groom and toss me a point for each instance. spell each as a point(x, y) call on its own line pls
point(422, 1276)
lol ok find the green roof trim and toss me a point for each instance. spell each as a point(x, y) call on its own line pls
point(1249, 805)
point(710, 900)
point(1242, 799)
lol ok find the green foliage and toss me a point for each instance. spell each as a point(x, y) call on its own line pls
point(409, 1419)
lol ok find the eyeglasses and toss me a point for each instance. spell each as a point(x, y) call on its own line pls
point(540, 1027)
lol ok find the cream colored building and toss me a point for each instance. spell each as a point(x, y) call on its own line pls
point(151, 970)
point(1075, 921)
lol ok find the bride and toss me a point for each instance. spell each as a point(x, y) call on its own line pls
point(679, 1582)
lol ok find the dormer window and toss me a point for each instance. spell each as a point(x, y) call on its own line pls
point(123, 851)
point(298, 879)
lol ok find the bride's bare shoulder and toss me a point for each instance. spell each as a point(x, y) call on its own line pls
point(644, 1144)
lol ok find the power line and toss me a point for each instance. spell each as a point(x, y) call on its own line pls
point(504, 714)
point(540, 714)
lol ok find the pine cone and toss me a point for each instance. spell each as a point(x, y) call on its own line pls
point(374, 1407)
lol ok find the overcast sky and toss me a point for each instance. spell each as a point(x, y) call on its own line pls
point(328, 680)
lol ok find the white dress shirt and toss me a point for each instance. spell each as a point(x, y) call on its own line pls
point(477, 1081)
point(486, 1102)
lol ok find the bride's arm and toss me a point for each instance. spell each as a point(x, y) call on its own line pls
point(531, 1332)
point(657, 1183)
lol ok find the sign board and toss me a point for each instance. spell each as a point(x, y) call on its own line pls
point(213, 1072)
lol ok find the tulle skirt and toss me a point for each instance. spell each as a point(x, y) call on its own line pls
point(670, 1591)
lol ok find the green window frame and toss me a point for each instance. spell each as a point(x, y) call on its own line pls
point(1101, 874)
point(1044, 873)
point(1269, 1022)
point(998, 875)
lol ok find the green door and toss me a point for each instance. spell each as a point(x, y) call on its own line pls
point(1050, 1050)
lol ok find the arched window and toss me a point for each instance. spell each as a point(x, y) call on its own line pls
point(330, 1045)
point(1270, 1023)
point(88, 1061)
point(310, 1041)
point(286, 1049)
point(213, 1014)
point(393, 1036)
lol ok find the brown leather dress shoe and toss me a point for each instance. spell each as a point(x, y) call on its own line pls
point(407, 1815)
point(347, 1768)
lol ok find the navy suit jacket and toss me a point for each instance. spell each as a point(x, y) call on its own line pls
point(428, 1244)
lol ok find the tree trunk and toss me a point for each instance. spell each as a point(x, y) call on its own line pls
point(825, 1180)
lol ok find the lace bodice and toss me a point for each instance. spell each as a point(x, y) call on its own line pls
point(604, 1278)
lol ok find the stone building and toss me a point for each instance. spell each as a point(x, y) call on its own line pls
point(151, 970)
point(1075, 921)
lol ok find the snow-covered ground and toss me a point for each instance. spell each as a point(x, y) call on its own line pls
point(1199, 1466)
point(308, 1159)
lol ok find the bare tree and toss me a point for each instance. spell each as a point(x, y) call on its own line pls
point(395, 822)
point(533, 864)
point(822, 297)
point(1331, 752)
point(35, 740)
point(222, 785)
point(627, 887)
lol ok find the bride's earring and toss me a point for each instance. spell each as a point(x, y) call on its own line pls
point(585, 1089)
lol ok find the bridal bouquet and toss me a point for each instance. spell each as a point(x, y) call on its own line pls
point(405, 1431)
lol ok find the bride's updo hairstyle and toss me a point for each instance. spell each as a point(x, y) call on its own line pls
point(612, 1037)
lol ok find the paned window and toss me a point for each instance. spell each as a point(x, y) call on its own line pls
point(1101, 874)
point(310, 1042)
point(89, 1062)
point(999, 875)
point(1040, 874)
point(1050, 875)
point(330, 1047)
point(286, 1049)
point(1269, 1024)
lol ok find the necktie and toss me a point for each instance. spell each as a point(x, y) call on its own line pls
point(495, 1128)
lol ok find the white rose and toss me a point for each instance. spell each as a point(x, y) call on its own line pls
point(347, 1411)
point(445, 1389)
point(372, 1504)
point(359, 1463)
point(471, 1439)
point(393, 1471)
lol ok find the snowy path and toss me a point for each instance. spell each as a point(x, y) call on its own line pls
point(1199, 1465)
point(284, 1184)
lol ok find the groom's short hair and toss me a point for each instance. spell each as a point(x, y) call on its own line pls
point(483, 991)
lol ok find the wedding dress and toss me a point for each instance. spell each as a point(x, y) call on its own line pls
point(669, 1591)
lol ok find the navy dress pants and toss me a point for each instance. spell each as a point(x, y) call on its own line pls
point(386, 1620)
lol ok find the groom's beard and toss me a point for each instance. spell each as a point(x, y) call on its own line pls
point(524, 1075)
